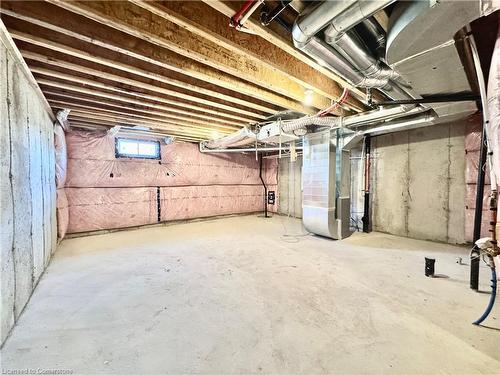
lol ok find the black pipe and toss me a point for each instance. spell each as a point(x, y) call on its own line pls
point(265, 187)
point(434, 99)
point(478, 213)
point(267, 16)
point(366, 210)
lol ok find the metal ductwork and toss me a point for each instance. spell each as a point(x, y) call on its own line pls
point(356, 12)
point(421, 46)
point(360, 119)
point(342, 51)
point(325, 185)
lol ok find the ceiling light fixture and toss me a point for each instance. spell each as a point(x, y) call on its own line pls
point(308, 97)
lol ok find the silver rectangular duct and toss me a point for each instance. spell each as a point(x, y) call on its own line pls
point(325, 186)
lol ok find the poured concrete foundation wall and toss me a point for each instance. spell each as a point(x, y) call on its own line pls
point(27, 200)
point(419, 183)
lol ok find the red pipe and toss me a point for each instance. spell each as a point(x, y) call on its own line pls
point(237, 16)
point(341, 100)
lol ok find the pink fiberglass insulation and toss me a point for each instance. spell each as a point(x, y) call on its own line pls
point(494, 108)
point(107, 208)
point(181, 164)
point(62, 212)
point(188, 202)
point(107, 192)
point(494, 114)
point(472, 150)
point(61, 156)
point(61, 161)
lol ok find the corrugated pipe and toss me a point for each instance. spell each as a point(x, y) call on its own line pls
point(244, 136)
point(351, 121)
point(253, 149)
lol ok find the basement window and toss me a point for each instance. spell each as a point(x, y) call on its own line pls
point(137, 148)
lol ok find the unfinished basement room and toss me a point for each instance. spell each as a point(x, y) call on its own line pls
point(220, 187)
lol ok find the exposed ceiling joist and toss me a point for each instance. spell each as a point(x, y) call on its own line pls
point(95, 91)
point(41, 42)
point(75, 76)
point(176, 64)
point(131, 121)
point(277, 38)
point(141, 23)
point(72, 104)
point(124, 107)
point(210, 24)
point(100, 124)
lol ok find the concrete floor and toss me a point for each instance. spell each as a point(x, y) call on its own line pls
point(235, 295)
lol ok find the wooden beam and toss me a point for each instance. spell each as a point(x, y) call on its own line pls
point(127, 69)
point(118, 79)
point(77, 122)
point(130, 121)
point(229, 8)
point(91, 34)
point(208, 23)
point(83, 90)
point(125, 108)
point(140, 23)
point(72, 105)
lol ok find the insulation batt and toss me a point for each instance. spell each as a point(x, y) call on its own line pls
point(61, 160)
point(472, 150)
point(494, 109)
point(105, 192)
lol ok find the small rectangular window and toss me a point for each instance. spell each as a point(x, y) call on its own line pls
point(137, 148)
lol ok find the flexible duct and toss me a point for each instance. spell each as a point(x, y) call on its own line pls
point(351, 121)
point(244, 136)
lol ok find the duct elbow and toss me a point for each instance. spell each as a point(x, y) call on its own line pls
point(332, 35)
point(299, 37)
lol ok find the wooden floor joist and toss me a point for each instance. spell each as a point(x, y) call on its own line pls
point(41, 42)
point(100, 89)
point(131, 121)
point(72, 104)
point(96, 93)
point(143, 24)
point(106, 125)
point(229, 8)
point(128, 108)
point(208, 23)
point(174, 65)
point(195, 76)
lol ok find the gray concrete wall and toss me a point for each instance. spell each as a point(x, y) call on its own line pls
point(290, 187)
point(418, 184)
point(27, 182)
